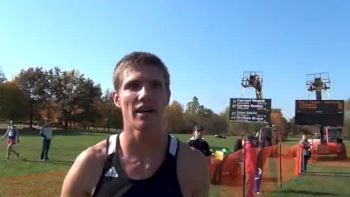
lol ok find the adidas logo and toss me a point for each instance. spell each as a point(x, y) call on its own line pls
point(112, 172)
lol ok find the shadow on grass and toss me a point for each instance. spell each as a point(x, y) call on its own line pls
point(60, 162)
point(67, 163)
point(339, 174)
point(311, 193)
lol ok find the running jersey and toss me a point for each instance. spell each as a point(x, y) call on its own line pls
point(114, 181)
point(11, 132)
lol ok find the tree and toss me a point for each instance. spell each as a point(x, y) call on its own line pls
point(219, 124)
point(33, 82)
point(175, 117)
point(279, 121)
point(2, 76)
point(13, 102)
point(62, 87)
point(198, 114)
point(50, 112)
point(111, 115)
point(193, 107)
point(206, 117)
point(77, 97)
point(86, 98)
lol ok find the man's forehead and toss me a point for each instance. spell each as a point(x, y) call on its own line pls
point(149, 73)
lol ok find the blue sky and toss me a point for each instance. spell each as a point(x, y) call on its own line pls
point(207, 45)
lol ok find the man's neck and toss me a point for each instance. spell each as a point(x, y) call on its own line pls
point(138, 143)
point(142, 153)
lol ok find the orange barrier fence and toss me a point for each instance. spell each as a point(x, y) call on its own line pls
point(272, 166)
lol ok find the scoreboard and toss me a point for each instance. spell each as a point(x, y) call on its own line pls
point(322, 112)
point(250, 110)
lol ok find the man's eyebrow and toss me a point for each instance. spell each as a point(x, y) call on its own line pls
point(156, 81)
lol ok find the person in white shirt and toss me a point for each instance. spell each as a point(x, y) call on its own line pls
point(46, 134)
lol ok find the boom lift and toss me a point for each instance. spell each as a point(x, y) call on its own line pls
point(329, 138)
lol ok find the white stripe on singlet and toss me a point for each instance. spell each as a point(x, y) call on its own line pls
point(112, 140)
point(173, 145)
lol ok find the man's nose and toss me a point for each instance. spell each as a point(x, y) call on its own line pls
point(144, 92)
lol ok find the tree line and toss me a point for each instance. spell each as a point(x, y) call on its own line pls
point(68, 98)
point(72, 101)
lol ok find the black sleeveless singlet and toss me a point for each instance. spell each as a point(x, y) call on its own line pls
point(114, 181)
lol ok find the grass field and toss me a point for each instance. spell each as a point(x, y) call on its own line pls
point(28, 176)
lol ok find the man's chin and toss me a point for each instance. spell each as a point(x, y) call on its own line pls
point(147, 125)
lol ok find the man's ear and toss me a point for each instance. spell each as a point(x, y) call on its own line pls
point(169, 95)
point(116, 98)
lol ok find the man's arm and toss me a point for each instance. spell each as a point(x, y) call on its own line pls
point(6, 133)
point(202, 178)
point(84, 174)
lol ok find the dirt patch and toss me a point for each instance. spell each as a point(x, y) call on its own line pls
point(43, 184)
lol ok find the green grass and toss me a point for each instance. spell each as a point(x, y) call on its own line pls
point(321, 180)
point(64, 149)
point(324, 179)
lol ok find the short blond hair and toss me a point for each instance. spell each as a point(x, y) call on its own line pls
point(139, 59)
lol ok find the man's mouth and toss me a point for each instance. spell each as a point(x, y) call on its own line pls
point(145, 111)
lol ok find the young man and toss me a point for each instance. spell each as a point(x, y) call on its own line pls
point(13, 136)
point(197, 141)
point(46, 134)
point(143, 160)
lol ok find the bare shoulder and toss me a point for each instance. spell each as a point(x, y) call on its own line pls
point(193, 171)
point(84, 174)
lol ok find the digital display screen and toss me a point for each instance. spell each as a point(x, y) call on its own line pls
point(322, 112)
point(250, 110)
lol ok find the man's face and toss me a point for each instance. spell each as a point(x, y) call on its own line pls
point(197, 134)
point(142, 97)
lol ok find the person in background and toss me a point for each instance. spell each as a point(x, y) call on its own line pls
point(46, 134)
point(13, 137)
point(143, 160)
point(305, 152)
point(250, 155)
point(238, 145)
point(197, 141)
